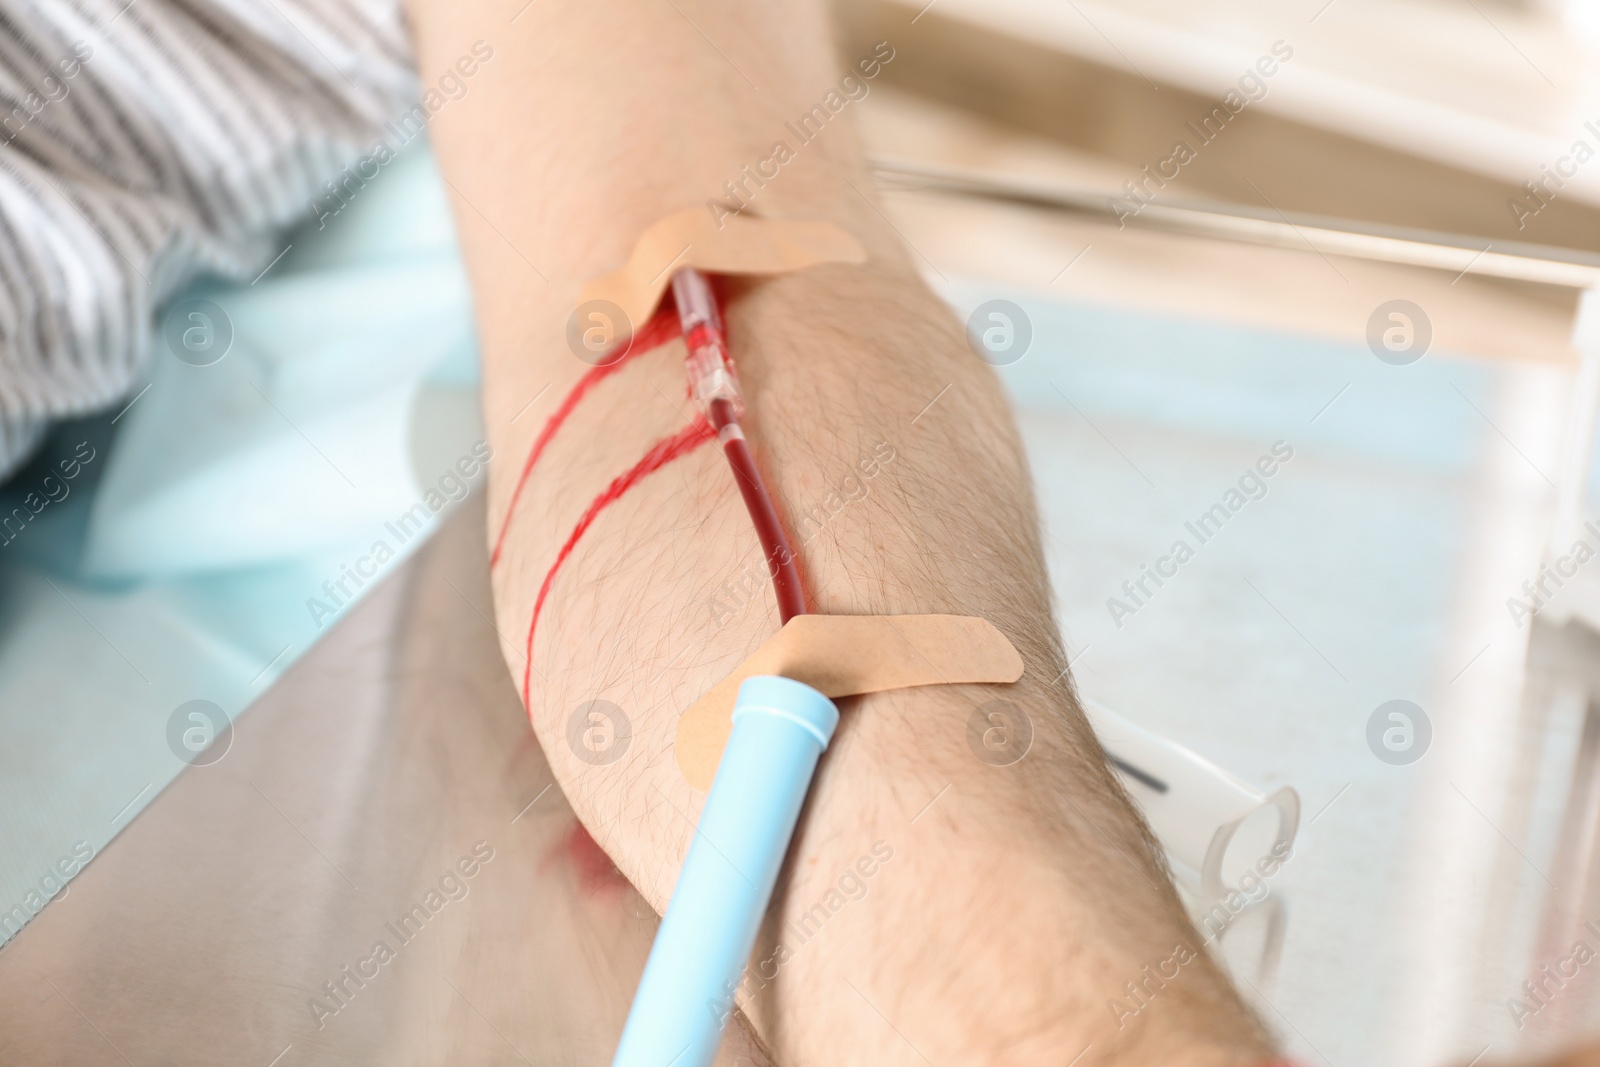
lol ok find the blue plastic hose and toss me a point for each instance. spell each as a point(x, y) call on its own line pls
point(780, 729)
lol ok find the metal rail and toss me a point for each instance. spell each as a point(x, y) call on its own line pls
point(1457, 253)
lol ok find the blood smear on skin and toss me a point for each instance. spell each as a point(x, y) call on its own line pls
point(661, 453)
point(661, 328)
point(589, 861)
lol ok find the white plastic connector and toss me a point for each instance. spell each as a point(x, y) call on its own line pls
point(711, 378)
point(711, 373)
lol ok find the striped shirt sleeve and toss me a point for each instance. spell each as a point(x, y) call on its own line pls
point(144, 143)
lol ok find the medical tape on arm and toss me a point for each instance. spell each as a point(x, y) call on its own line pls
point(846, 655)
point(738, 244)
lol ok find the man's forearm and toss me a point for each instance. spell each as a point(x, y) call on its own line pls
point(1005, 905)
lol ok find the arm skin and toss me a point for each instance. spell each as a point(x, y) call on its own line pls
point(1018, 899)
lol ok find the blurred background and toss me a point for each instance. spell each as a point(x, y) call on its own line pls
point(1191, 320)
point(1360, 239)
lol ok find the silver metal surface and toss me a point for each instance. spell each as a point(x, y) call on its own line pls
point(1456, 253)
point(209, 929)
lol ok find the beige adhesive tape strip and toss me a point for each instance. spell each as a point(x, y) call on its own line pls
point(842, 655)
point(740, 244)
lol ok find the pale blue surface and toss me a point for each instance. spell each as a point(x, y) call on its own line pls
point(684, 1000)
point(179, 564)
point(1270, 649)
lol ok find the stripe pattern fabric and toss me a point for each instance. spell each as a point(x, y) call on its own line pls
point(144, 144)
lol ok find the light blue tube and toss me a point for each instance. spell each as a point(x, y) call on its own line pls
point(780, 728)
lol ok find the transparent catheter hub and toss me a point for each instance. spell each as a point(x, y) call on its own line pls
point(711, 373)
point(714, 386)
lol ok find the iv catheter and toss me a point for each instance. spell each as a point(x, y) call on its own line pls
point(714, 386)
point(780, 729)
